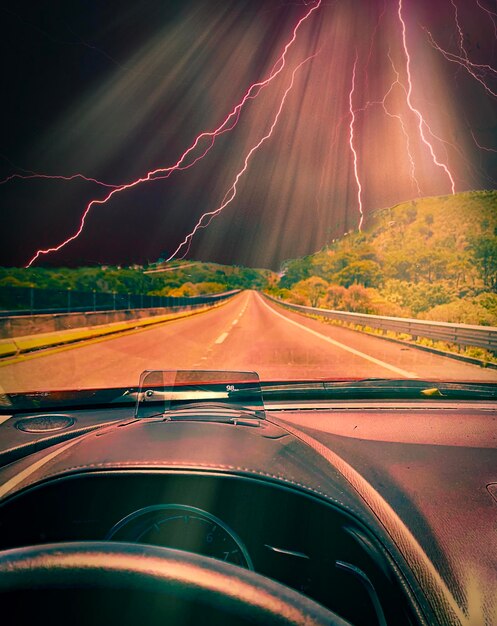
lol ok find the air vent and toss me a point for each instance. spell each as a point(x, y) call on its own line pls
point(49, 422)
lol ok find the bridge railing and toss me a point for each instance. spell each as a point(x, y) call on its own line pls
point(460, 334)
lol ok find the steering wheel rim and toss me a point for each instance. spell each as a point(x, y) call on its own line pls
point(184, 576)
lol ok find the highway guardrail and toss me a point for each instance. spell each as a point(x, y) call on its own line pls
point(460, 334)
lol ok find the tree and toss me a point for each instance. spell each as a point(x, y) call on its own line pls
point(335, 297)
point(312, 289)
point(366, 273)
point(431, 263)
point(358, 300)
point(484, 251)
point(295, 271)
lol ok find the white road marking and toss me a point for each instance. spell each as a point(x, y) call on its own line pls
point(367, 357)
point(221, 338)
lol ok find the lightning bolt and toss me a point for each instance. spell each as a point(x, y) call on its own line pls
point(491, 15)
point(351, 143)
point(388, 113)
point(421, 122)
point(479, 145)
point(459, 30)
point(206, 218)
point(34, 175)
point(401, 122)
point(473, 69)
point(228, 124)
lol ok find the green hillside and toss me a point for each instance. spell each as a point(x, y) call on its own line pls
point(432, 258)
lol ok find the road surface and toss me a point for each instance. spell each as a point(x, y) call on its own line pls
point(246, 333)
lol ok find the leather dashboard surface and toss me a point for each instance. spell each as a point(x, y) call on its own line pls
point(418, 478)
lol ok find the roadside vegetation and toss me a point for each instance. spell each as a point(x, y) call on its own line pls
point(432, 258)
point(181, 279)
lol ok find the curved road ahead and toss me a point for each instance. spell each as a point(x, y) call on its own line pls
point(246, 333)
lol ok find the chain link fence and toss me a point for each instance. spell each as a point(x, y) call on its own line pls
point(33, 301)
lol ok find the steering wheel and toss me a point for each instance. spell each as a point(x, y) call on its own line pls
point(120, 583)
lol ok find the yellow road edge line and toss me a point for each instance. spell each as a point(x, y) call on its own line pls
point(79, 343)
point(343, 346)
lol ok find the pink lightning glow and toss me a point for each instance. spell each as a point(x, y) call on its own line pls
point(383, 103)
point(231, 193)
point(371, 45)
point(421, 121)
point(351, 142)
point(252, 92)
point(401, 121)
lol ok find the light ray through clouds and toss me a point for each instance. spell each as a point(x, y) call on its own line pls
point(164, 172)
point(374, 122)
point(231, 193)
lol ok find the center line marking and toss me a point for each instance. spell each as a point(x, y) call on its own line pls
point(387, 366)
point(221, 338)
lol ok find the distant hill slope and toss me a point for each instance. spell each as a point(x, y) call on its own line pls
point(446, 221)
point(430, 257)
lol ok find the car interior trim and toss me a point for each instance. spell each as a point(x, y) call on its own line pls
point(422, 567)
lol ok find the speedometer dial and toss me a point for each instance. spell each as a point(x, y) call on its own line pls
point(185, 528)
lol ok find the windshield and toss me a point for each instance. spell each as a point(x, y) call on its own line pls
point(301, 189)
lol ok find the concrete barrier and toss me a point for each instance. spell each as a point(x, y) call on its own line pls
point(20, 345)
point(18, 326)
point(22, 325)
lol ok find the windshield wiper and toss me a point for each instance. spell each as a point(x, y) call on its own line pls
point(380, 389)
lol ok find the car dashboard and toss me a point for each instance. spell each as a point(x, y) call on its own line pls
point(269, 496)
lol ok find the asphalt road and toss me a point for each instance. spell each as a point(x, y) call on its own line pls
point(246, 333)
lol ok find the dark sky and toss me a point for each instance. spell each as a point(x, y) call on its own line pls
point(112, 90)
